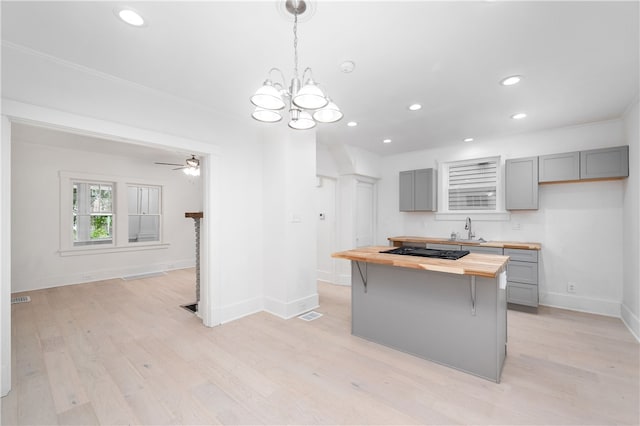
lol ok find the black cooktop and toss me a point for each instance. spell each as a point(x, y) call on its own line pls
point(425, 252)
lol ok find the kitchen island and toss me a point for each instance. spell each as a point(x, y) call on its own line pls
point(453, 312)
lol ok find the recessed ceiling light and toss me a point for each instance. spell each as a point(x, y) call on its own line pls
point(347, 66)
point(511, 80)
point(519, 116)
point(386, 141)
point(467, 140)
point(415, 107)
point(131, 17)
point(352, 123)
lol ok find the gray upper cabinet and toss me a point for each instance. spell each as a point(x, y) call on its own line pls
point(605, 163)
point(406, 191)
point(417, 191)
point(559, 167)
point(521, 184)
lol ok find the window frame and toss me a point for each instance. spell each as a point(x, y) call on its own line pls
point(120, 241)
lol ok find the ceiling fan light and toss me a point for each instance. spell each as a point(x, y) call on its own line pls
point(191, 171)
point(303, 121)
point(310, 96)
point(329, 114)
point(193, 161)
point(268, 97)
point(266, 115)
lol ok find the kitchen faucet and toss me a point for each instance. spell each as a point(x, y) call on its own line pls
point(467, 226)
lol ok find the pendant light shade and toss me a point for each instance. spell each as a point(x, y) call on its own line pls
point(266, 115)
point(268, 97)
point(329, 114)
point(310, 96)
point(302, 122)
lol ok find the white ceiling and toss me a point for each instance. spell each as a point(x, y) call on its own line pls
point(579, 60)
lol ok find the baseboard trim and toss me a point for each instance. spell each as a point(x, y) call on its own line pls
point(239, 310)
point(631, 321)
point(109, 274)
point(287, 310)
point(5, 379)
point(589, 305)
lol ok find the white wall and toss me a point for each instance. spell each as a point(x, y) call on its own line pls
point(36, 262)
point(631, 225)
point(579, 224)
point(288, 187)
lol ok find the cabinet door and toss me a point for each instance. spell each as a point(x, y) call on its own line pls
point(605, 163)
point(521, 184)
point(406, 191)
point(424, 185)
point(559, 167)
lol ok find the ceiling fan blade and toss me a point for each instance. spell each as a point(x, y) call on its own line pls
point(179, 168)
point(168, 164)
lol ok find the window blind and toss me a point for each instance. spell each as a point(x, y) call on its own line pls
point(472, 185)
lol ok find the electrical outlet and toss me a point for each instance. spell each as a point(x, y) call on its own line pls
point(571, 287)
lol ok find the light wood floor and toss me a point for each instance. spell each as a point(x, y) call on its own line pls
point(123, 352)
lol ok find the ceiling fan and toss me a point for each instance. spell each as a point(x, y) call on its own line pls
point(192, 166)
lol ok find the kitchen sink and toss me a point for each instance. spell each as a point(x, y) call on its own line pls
point(475, 240)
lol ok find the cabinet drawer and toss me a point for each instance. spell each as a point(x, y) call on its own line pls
point(413, 244)
point(522, 294)
point(522, 272)
point(443, 246)
point(484, 250)
point(522, 255)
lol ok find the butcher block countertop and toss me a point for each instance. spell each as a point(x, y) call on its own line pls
point(397, 241)
point(482, 265)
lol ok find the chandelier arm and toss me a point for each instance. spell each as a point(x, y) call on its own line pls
point(305, 73)
point(284, 85)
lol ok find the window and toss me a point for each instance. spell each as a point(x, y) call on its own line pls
point(144, 213)
point(472, 186)
point(108, 214)
point(92, 213)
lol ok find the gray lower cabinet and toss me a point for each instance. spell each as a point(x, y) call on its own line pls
point(521, 184)
point(522, 277)
point(605, 163)
point(559, 167)
point(417, 190)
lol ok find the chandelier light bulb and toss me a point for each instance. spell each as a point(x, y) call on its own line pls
point(310, 96)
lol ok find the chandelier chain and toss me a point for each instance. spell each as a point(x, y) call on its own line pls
point(295, 44)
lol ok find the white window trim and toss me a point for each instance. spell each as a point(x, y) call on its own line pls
point(120, 242)
point(443, 213)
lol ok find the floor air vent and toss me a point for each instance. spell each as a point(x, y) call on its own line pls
point(310, 316)
point(20, 299)
point(148, 275)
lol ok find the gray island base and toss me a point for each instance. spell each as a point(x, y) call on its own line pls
point(456, 320)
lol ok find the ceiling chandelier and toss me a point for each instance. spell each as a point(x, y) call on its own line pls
point(307, 104)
